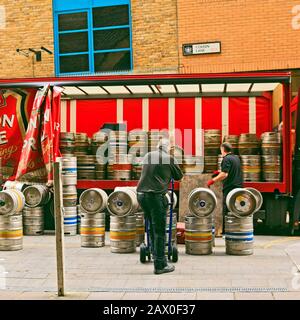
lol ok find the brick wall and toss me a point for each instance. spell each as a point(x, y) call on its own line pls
point(154, 26)
point(29, 24)
point(255, 35)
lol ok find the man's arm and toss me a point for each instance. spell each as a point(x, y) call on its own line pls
point(175, 169)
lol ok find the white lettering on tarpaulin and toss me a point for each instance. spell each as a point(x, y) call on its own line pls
point(3, 139)
point(7, 121)
point(296, 18)
point(2, 18)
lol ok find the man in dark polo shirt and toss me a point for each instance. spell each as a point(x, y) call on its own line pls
point(159, 167)
point(231, 175)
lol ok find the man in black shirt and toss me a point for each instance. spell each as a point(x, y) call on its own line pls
point(159, 167)
point(231, 175)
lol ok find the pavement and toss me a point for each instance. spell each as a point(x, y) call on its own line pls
point(271, 273)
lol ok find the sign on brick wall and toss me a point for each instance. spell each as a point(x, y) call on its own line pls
point(201, 48)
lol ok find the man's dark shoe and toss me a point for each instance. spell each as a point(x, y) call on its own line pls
point(166, 269)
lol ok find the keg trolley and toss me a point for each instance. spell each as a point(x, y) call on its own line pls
point(172, 251)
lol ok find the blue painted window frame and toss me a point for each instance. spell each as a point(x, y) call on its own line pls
point(68, 7)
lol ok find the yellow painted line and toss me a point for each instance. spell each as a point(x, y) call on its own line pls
point(279, 241)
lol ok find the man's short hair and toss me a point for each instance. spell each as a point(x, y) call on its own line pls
point(226, 146)
point(164, 144)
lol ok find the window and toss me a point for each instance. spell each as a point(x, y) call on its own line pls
point(92, 36)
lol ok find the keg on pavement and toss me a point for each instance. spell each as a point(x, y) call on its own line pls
point(78, 219)
point(69, 170)
point(168, 195)
point(123, 234)
point(14, 185)
point(193, 165)
point(173, 228)
point(140, 228)
point(258, 197)
point(202, 202)
point(210, 163)
point(70, 221)
point(93, 200)
point(249, 144)
point(122, 203)
point(11, 232)
point(241, 202)
point(67, 143)
point(69, 196)
point(271, 143)
point(13, 201)
point(92, 230)
point(251, 167)
point(33, 221)
point(212, 142)
point(234, 141)
point(36, 195)
point(198, 235)
point(272, 169)
point(239, 235)
point(86, 167)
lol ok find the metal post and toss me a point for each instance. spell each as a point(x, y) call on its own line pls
point(59, 229)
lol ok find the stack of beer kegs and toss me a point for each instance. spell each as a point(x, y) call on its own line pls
point(36, 197)
point(82, 144)
point(122, 205)
point(120, 167)
point(12, 202)
point(154, 137)
point(242, 204)
point(99, 149)
point(193, 165)
point(138, 143)
point(92, 204)
point(234, 141)
point(271, 156)
point(199, 236)
point(212, 142)
point(69, 182)
point(249, 150)
point(86, 167)
point(67, 143)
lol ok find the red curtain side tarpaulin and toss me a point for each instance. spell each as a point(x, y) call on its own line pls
point(133, 113)
point(15, 108)
point(92, 114)
point(158, 114)
point(38, 149)
point(238, 115)
point(185, 124)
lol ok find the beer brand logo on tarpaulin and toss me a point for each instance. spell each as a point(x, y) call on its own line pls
point(2, 99)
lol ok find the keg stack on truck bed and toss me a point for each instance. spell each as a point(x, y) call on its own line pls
point(248, 108)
